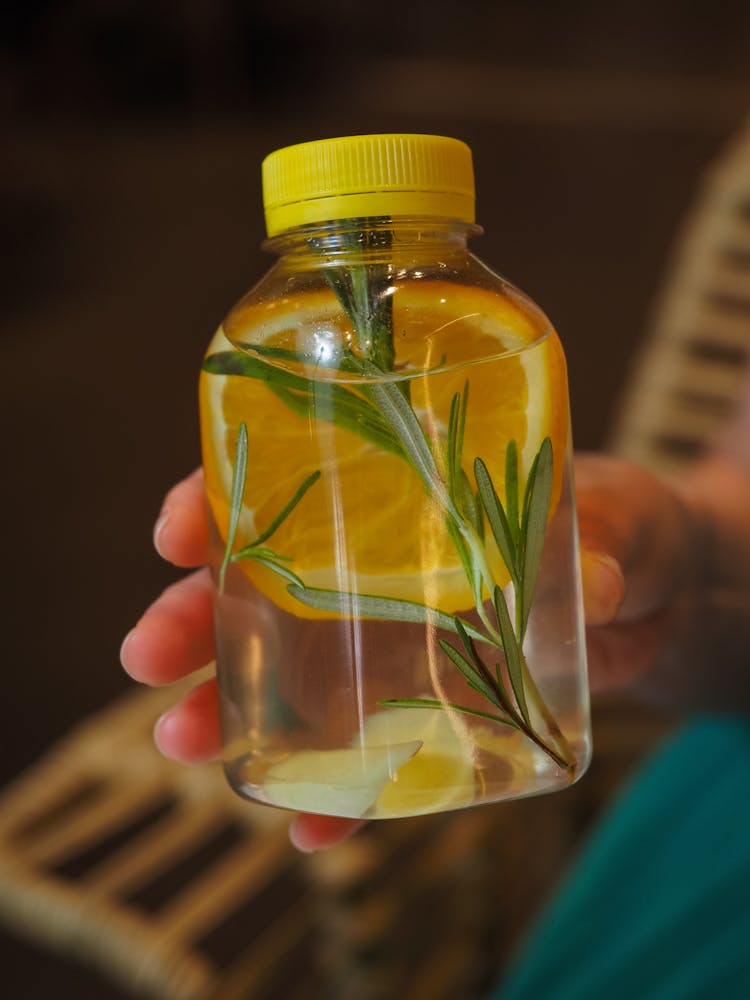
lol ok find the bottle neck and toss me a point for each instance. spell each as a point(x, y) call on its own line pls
point(375, 240)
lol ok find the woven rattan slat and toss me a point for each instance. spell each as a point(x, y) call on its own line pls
point(65, 881)
point(113, 806)
point(720, 326)
point(111, 937)
point(143, 857)
point(240, 873)
point(700, 336)
point(692, 422)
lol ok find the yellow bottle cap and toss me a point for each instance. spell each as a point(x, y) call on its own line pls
point(368, 175)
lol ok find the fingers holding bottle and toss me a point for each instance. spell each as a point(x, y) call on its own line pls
point(636, 546)
point(181, 530)
point(189, 731)
point(175, 636)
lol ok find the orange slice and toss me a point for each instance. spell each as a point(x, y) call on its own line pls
point(368, 525)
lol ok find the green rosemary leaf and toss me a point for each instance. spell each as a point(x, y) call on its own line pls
point(479, 665)
point(252, 550)
point(344, 409)
point(434, 703)
point(502, 698)
point(357, 277)
point(352, 411)
point(524, 513)
point(467, 644)
point(455, 440)
point(480, 517)
point(298, 402)
point(237, 363)
point(496, 517)
point(238, 490)
point(381, 326)
point(306, 397)
point(362, 288)
point(534, 526)
point(451, 442)
point(402, 420)
point(463, 552)
point(340, 282)
point(384, 608)
point(467, 503)
point(377, 306)
point(462, 424)
point(511, 491)
point(271, 564)
point(284, 514)
point(470, 673)
point(512, 652)
point(471, 570)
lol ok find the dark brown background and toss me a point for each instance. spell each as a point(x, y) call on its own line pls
point(131, 217)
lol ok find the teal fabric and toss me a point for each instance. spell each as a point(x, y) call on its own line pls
point(658, 905)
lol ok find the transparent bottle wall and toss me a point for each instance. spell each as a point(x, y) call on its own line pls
point(399, 626)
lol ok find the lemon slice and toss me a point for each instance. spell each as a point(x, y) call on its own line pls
point(439, 777)
point(336, 782)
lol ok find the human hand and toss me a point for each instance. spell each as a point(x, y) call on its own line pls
point(635, 539)
point(175, 638)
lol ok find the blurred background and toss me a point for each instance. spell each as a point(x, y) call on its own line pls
point(131, 218)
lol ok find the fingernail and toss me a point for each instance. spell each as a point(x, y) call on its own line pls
point(124, 647)
point(299, 839)
point(161, 723)
point(159, 527)
point(603, 587)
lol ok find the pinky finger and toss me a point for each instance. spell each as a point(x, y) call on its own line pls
point(189, 731)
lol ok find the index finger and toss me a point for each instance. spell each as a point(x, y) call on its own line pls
point(181, 530)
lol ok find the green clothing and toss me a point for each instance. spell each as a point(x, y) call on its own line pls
point(658, 905)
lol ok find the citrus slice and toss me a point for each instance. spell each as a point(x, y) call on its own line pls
point(368, 525)
point(336, 782)
point(439, 777)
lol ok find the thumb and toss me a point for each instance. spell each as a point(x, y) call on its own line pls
point(635, 540)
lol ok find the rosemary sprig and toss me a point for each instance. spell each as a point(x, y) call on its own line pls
point(238, 489)
point(281, 517)
point(468, 543)
point(383, 608)
point(362, 288)
point(308, 398)
point(255, 550)
point(533, 524)
point(513, 656)
point(380, 412)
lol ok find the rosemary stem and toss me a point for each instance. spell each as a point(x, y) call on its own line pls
point(565, 763)
point(534, 696)
point(491, 630)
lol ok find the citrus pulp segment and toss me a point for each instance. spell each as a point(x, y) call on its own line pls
point(354, 778)
point(368, 525)
point(440, 776)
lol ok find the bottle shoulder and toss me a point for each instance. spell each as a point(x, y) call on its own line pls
point(441, 313)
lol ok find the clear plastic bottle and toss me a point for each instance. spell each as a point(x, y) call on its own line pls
point(387, 451)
